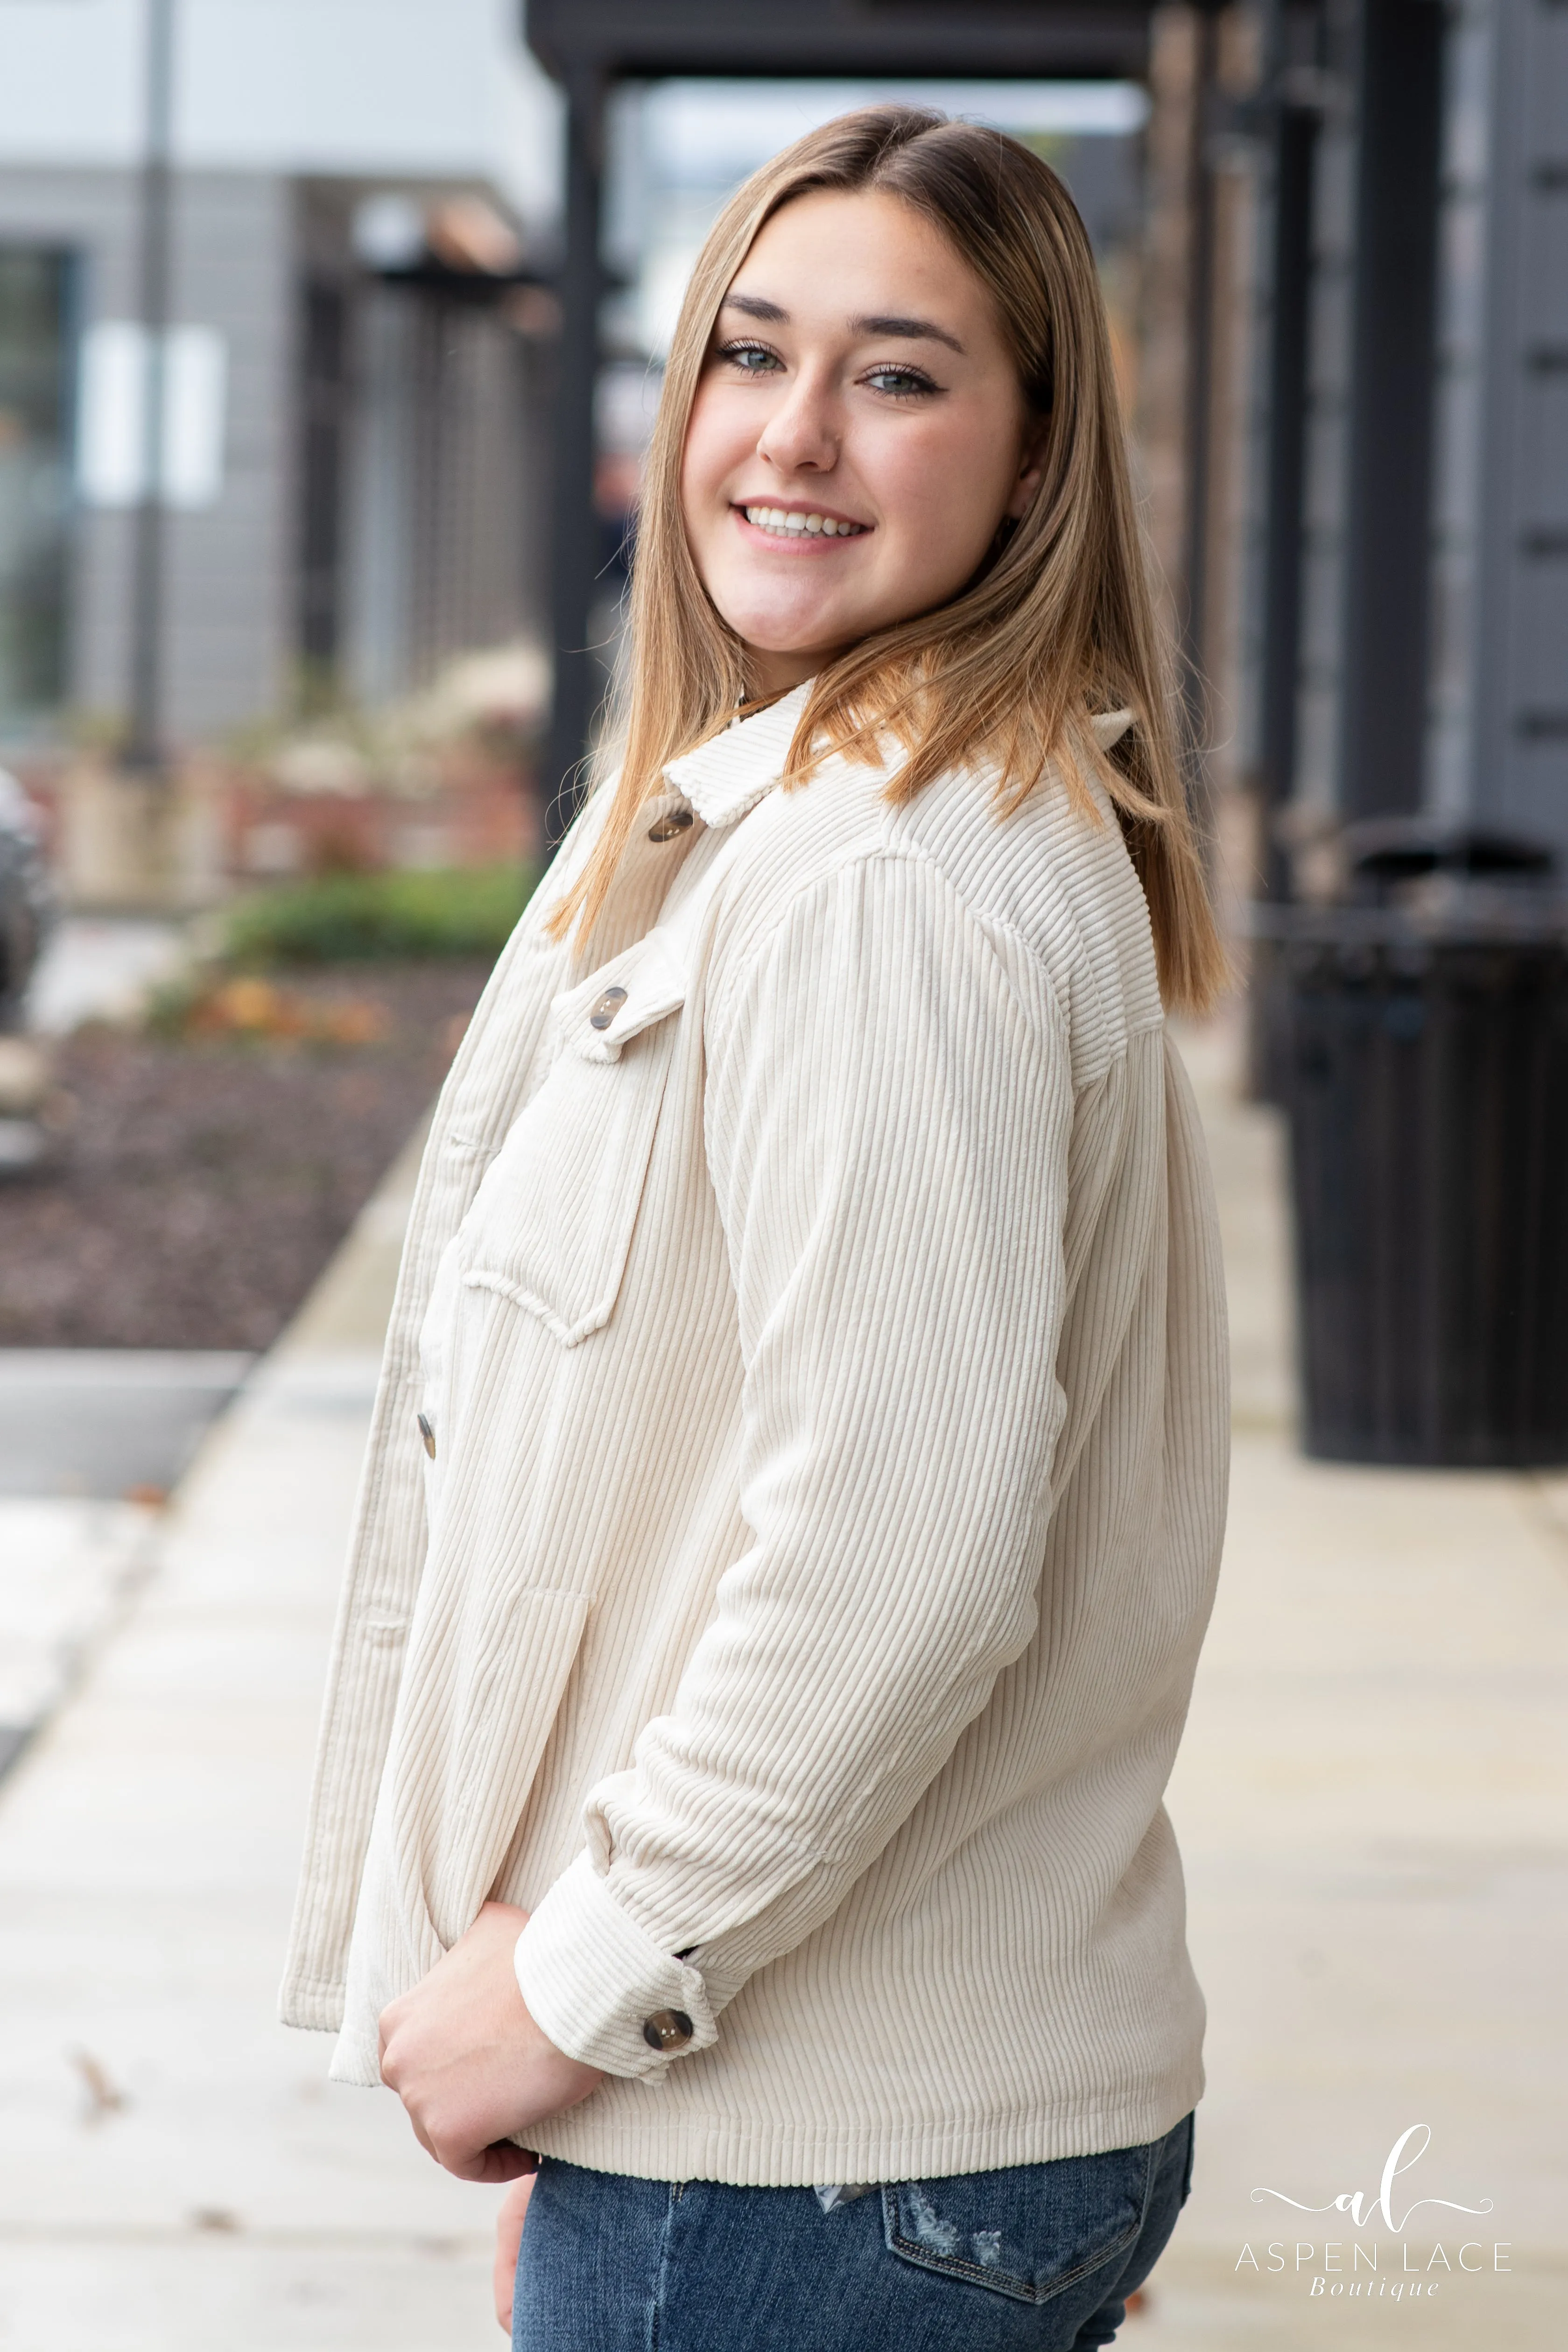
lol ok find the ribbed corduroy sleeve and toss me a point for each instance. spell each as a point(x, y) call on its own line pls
point(889, 1109)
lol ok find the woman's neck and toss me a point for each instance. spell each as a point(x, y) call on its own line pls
point(769, 673)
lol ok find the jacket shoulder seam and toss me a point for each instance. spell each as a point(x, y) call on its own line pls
point(881, 850)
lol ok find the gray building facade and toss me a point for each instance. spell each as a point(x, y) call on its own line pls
point(370, 507)
point(1419, 571)
point(1499, 715)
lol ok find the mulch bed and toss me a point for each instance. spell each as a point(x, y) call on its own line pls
point(205, 1180)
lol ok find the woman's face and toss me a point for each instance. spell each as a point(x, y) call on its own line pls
point(858, 435)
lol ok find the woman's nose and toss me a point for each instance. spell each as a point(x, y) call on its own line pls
point(802, 433)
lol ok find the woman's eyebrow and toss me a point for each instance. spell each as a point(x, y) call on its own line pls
point(907, 330)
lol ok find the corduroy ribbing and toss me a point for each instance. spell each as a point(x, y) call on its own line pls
point(826, 1356)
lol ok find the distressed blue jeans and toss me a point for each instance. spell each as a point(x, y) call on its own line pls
point(1041, 2256)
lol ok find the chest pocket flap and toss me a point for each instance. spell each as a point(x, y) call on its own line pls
point(550, 1225)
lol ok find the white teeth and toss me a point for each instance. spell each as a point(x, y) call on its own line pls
point(785, 525)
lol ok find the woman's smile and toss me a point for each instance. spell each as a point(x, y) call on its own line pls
point(798, 527)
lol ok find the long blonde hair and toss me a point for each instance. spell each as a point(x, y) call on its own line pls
point(1060, 625)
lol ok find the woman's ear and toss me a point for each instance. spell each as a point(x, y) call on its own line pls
point(1031, 466)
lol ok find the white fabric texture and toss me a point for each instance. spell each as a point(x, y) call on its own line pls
point(815, 1296)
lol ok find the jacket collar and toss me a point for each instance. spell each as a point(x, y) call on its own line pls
point(729, 773)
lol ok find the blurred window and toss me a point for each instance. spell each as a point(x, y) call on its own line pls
point(111, 451)
point(35, 489)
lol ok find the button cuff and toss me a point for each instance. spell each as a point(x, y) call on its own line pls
point(667, 2029)
point(596, 1983)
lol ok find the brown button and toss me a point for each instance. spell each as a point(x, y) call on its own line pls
point(667, 827)
point(427, 1434)
point(667, 2029)
point(605, 1008)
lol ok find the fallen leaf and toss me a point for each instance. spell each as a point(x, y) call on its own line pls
point(104, 2097)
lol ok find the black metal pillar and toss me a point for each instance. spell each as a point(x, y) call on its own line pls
point(1295, 140)
point(1292, 100)
point(144, 748)
point(1199, 401)
point(1388, 520)
point(574, 547)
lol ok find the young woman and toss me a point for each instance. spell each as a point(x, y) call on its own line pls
point(798, 1482)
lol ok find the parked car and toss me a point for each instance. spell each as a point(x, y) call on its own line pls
point(27, 901)
point(27, 911)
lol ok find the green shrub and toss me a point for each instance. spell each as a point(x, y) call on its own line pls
point(360, 918)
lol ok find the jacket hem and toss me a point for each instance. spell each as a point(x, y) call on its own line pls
point(748, 2152)
point(314, 2004)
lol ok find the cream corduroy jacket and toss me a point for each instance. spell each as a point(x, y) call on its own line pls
point(817, 1307)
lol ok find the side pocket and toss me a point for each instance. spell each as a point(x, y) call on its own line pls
point(1030, 2232)
point(500, 1703)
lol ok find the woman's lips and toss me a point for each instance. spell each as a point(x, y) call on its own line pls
point(799, 526)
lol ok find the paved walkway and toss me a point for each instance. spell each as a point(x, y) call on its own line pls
point(175, 2173)
point(102, 967)
point(1370, 1799)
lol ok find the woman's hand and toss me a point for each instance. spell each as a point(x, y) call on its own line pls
point(510, 2215)
point(468, 2062)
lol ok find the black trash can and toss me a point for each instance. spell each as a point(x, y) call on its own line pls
point(1424, 1072)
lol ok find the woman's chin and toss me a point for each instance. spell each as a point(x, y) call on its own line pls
point(786, 636)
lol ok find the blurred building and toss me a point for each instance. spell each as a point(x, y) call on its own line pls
point(1407, 638)
point(1336, 251)
point(356, 369)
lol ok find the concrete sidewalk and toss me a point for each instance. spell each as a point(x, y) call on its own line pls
point(175, 2172)
point(1370, 1798)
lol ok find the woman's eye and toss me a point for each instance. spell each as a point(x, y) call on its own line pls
point(751, 359)
point(901, 381)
